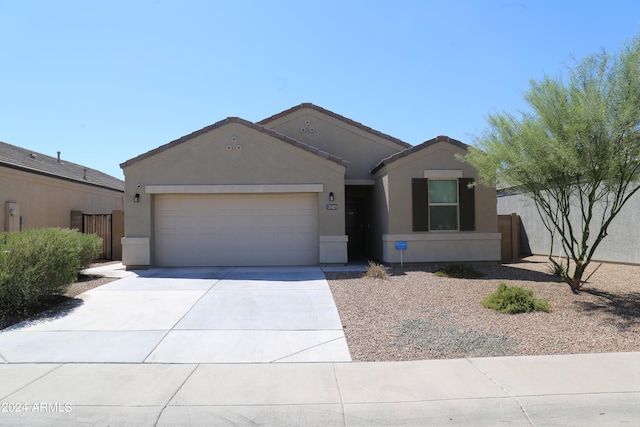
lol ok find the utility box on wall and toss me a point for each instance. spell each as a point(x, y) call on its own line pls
point(11, 217)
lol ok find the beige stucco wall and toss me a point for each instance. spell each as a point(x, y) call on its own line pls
point(483, 244)
point(363, 150)
point(233, 154)
point(380, 215)
point(47, 202)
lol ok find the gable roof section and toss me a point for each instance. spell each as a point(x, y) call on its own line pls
point(25, 160)
point(415, 148)
point(243, 122)
point(346, 120)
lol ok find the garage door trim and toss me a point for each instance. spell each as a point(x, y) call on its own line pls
point(234, 189)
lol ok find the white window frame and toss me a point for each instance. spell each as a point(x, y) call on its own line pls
point(456, 204)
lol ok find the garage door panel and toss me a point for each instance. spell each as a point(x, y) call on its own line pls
point(199, 230)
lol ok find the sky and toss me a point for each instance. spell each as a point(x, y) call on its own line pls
point(105, 81)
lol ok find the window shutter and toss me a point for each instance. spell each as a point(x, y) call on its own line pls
point(467, 204)
point(420, 202)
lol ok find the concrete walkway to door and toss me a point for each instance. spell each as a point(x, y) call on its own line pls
point(190, 315)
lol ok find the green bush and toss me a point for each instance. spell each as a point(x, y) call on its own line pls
point(514, 300)
point(35, 264)
point(459, 270)
point(90, 249)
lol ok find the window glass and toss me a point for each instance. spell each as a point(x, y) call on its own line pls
point(443, 205)
point(443, 191)
point(444, 217)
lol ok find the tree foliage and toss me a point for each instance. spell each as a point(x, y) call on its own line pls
point(576, 154)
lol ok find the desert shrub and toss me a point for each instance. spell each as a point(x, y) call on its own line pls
point(558, 268)
point(458, 270)
point(514, 300)
point(90, 249)
point(35, 264)
point(376, 270)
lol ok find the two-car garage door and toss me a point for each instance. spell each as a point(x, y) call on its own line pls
point(236, 229)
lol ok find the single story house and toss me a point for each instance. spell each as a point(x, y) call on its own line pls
point(41, 191)
point(304, 187)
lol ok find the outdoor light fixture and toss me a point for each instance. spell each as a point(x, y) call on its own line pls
point(331, 197)
point(136, 198)
point(12, 211)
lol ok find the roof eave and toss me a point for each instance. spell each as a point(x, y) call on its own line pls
point(416, 148)
point(63, 178)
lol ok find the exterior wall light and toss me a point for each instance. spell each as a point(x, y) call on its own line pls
point(136, 198)
point(331, 197)
point(12, 211)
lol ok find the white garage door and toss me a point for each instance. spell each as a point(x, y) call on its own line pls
point(236, 229)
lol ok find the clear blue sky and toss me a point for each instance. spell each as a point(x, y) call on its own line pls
point(104, 81)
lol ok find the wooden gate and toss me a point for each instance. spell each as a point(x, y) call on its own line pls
point(99, 224)
point(508, 226)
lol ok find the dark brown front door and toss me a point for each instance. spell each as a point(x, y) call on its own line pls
point(355, 227)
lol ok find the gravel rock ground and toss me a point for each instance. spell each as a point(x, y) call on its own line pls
point(415, 315)
point(86, 283)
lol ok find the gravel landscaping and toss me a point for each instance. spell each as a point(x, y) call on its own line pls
point(415, 314)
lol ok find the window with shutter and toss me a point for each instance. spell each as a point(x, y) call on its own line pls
point(420, 201)
point(443, 204)
point(466, 192)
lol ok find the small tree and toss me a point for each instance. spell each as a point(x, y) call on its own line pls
point(576, 155)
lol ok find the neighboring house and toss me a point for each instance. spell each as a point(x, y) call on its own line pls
point(622, 243)
point(41, 191)
point(304, 187)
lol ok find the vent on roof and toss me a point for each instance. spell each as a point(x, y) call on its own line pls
point(58, 157)
point(33, 156)
point(85, 174)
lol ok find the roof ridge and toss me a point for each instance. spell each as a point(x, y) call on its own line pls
point(243, 122)
point(336, 116)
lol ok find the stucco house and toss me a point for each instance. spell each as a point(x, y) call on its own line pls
point(304, 187)
point(42, 191)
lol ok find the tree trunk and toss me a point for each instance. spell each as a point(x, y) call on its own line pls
point(576, 281)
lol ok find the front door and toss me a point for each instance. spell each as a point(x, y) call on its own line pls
point(355, 227)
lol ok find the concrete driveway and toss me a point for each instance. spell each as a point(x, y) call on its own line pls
point(190, 315)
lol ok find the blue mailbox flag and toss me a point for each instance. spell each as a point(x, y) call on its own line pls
point(401, 245)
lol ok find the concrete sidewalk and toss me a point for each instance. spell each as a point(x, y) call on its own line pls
point(579, 390)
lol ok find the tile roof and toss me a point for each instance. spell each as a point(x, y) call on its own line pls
point(413, 149)
point(336, 116)
point(19, 158)
point(246, 123)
